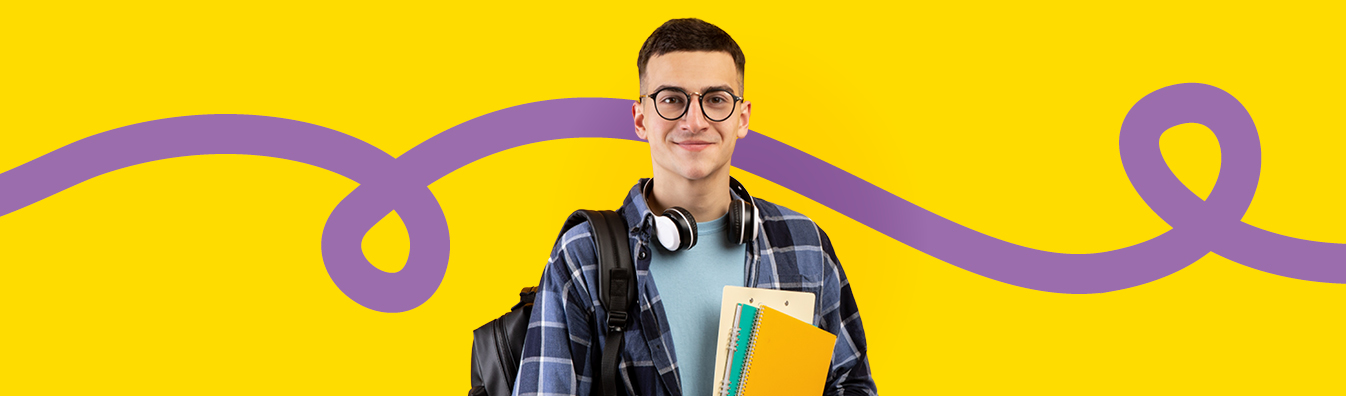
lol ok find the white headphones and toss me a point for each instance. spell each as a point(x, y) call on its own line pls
point(676, 228)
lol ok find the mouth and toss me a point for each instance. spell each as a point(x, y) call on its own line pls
point(694, 145)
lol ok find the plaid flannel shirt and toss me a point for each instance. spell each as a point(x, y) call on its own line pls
point(563, 348)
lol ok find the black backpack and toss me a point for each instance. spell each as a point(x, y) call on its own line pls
point(497, 346)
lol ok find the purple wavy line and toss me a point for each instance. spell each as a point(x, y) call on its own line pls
point(388, 183)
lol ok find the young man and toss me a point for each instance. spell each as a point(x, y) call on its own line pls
point(692, 112)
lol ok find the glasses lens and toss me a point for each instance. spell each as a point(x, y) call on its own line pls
point(718, 105)
point(670, 103)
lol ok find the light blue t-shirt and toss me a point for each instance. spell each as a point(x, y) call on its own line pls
point(690, 284)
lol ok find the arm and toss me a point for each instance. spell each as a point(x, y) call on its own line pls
point(559, 350)
point(850, 373)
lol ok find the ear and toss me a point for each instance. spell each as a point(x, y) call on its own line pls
point(638, 116)
point(743, 116)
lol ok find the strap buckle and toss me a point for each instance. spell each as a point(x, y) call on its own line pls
point(616, 321)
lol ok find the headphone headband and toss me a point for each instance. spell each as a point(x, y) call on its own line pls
point(737, 187)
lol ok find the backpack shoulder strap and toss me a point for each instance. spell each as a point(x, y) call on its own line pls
point(616, 282)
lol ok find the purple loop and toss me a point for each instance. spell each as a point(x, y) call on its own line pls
point(388, 184)
point(370, 286)
point(1154, 180)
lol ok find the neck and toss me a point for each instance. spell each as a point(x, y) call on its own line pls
point(707, 198)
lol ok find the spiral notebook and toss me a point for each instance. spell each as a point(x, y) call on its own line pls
point(793, 303)
point(745, 315)
point(776, 354)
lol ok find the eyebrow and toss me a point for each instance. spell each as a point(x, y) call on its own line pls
point(706, 89)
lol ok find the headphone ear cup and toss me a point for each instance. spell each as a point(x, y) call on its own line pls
point(686, 226)
point(750, 226)
point(667, 232)
point(736, 215)
point(756, 221)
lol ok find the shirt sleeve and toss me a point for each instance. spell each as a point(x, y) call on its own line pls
point(559, 353)
point(850, 373)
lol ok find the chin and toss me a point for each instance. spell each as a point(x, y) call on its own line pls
point(696, 173)
point(690, 169)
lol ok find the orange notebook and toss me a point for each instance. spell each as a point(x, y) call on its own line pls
point(786, 356)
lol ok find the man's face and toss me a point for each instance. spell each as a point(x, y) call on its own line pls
point(691, 146)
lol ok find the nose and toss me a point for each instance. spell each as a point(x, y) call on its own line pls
point(695, 119)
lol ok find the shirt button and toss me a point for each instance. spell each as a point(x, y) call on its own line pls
point(642, 254)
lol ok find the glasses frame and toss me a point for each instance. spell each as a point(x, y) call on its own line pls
point(700, 101)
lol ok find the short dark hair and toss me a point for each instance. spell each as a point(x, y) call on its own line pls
point(689, 34)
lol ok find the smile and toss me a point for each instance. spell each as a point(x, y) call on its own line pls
point(695, 146)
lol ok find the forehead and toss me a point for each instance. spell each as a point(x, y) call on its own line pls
point(691, 70)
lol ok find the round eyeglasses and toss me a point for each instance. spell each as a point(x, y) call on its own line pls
point(716, 104)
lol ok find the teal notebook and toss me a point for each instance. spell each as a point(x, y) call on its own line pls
point(739, 336)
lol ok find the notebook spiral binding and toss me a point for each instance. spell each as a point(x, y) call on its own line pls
point(733, 344)
point(747, 359)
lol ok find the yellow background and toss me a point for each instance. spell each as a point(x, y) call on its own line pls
point(204, 274)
